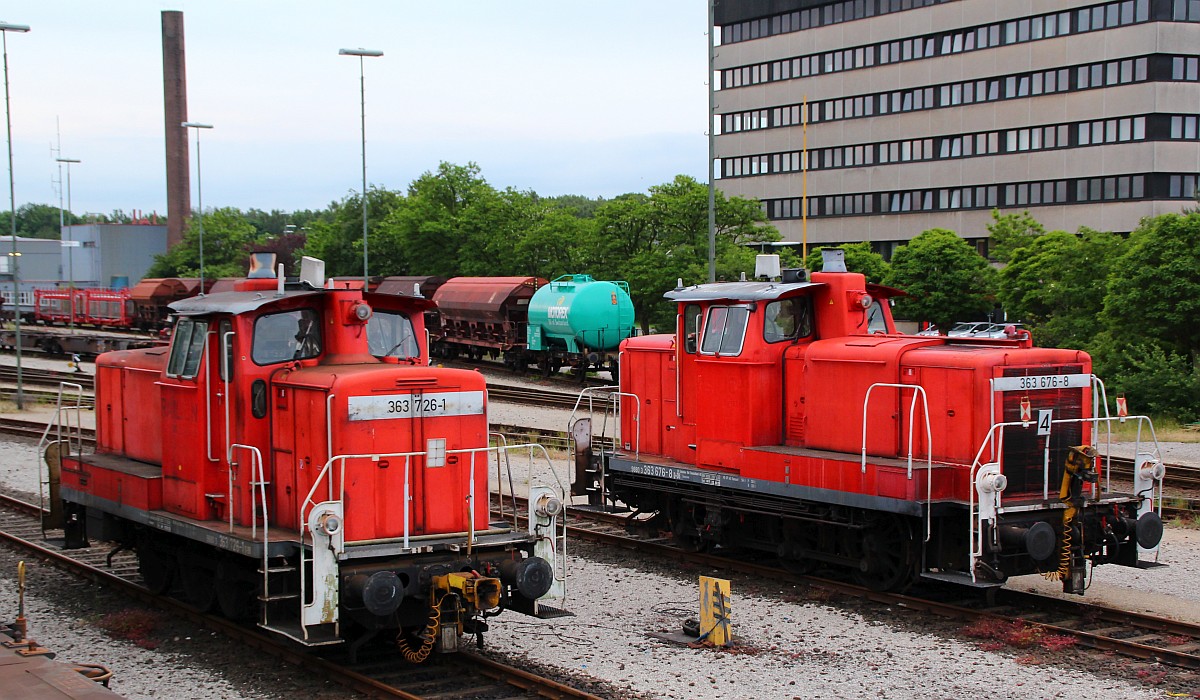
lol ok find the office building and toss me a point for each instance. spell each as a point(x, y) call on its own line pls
point(931, 113)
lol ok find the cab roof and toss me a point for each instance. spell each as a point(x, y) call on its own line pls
point(740, 291)
point(234, 302)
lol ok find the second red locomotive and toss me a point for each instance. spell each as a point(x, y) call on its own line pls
point(790, 417)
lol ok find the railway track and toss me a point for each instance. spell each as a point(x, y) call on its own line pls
point(1011, 612)
point(378, 673)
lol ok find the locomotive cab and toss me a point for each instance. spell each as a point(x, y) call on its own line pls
point(293, 457)
point(790, 417)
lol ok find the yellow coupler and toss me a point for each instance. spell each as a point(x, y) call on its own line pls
point(479, 592)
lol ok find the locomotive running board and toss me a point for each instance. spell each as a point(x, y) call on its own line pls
point(959, 579)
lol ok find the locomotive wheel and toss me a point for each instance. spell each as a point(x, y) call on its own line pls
point(234, 589)
point(888, 555)
point(157, 569)
point(197, 574)
point(798, 537)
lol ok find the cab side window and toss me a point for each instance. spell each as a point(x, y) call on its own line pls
point(876, 320)
point(724, 330)
point(286, 336)
point(691, 327)
point(390, 334)
point(187, 348)
point(787, 319)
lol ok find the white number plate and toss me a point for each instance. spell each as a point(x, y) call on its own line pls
point(1042, 381)
point(448, 403)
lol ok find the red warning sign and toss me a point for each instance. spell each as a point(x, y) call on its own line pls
point(1026, 410)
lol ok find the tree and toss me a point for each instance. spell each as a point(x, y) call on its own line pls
point(37, 221)
point(1009, 232)
point(1056, 285)
point(860, 257)
point(1150, 346)
point(1154, 289)
point(653, 241)
point(227, 237)
point(944, 276)
point(337, 237)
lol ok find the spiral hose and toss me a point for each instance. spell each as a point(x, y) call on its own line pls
point(428, 636)
point(1064, 558)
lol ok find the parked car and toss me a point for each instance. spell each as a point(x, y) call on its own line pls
point(998, 330)
point(968, 328)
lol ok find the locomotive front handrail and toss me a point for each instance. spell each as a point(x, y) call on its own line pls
point(74, 434)
point(975, 535)
point(613, 396)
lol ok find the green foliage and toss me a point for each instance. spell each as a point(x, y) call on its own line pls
point(944, 276)
point(1156, 380)
point(337, 236)
point(1154, 290)
point(1056, 285)
point(227, 237)
point(860, 257)
point(1152, 299)
point(37, 221)
point(1009, 232)
point(653, 241)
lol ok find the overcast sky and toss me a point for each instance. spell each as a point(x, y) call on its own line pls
point(555, 96)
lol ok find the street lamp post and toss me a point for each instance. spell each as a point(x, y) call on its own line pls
point(362, 93)
point(199, 194)
point(5, 28)
point(62, 229)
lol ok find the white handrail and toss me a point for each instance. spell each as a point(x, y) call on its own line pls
point(918, 390)
point(57, 424)
point(976, 539)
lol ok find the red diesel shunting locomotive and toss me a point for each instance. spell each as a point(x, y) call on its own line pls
point(790, 417)
point(292, 454)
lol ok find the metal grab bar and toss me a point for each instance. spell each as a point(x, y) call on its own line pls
point(918, 390)
point(74, 433)
point(976, 538)
point(614, 394)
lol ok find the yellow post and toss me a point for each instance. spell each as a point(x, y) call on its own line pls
point(715, 628)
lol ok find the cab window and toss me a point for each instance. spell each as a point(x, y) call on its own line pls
point(286, 336)
point(691, 327)
point(187, 348)
point(390, 334)
point(787, 319)
point(724, 330)
point(876, 320)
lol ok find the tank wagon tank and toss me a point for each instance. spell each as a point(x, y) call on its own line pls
point(574, 321)
point(293, 459)
point(791, 418)
point(577, 315)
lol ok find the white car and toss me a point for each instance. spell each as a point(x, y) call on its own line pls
point(968, 328)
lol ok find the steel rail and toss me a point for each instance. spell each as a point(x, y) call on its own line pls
point(250, 637)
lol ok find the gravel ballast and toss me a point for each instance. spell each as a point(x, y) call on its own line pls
point(792, 643)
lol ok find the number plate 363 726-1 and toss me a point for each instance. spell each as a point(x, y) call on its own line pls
point(1042, 381)
point(430, 405)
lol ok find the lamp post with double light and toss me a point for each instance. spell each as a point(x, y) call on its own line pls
point(362, 94)
point(199, 194)
point(5, 28)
